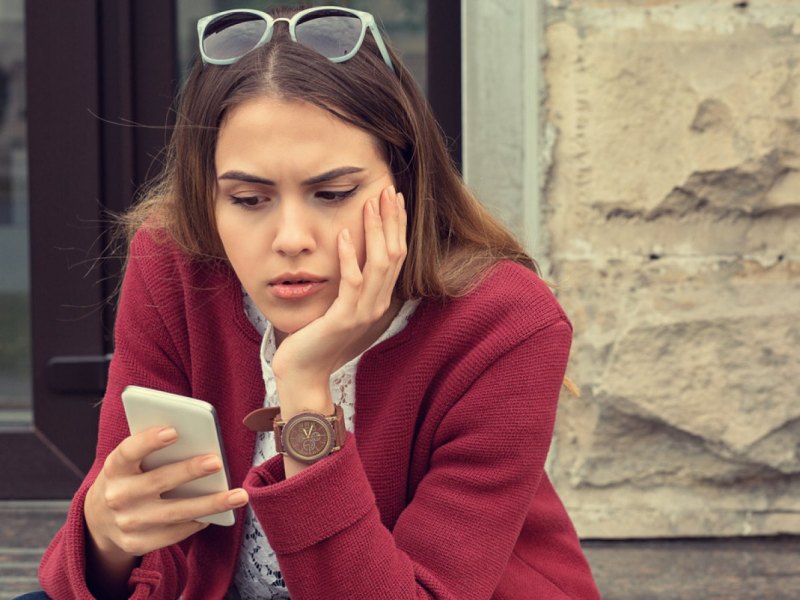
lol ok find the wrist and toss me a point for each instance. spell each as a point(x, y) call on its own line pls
point(108, 567)
point(97, 541)
point(296, 397)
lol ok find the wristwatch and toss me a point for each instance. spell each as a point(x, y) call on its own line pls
point(306, 437)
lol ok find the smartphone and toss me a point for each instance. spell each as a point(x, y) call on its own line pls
point(198, 433)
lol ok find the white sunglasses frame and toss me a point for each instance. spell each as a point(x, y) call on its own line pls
point(367, 22)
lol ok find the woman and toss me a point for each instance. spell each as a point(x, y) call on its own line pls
point(311, 248)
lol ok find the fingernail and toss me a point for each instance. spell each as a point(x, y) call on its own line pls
point(210, 464)
point(401, 201)
point(346, 235)
point(374, 206)
point(392, 191)
point(167, 435)
point(237, 498)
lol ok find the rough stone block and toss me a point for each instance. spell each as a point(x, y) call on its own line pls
point(674, 218)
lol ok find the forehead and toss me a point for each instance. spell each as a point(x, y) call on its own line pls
point(272, 133)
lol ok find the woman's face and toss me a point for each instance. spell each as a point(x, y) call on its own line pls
point(290, 177)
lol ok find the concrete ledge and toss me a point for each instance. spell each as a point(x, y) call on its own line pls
point(730, 568)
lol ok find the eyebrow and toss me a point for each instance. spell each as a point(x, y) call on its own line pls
point(321, 178)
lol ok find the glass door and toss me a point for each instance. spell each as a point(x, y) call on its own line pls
point(15, 323)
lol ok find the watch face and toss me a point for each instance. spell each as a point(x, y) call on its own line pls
point(307, 437)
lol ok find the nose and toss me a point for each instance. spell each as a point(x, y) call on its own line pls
point(295, 231)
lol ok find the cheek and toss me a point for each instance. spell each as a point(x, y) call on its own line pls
point(225, 231)
point(234, 239)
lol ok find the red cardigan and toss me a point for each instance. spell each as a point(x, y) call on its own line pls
point(439, 493)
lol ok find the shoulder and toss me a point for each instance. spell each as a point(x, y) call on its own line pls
point(508, 297)
point(158, 260)
point(511, 290)
point(508, 307)
point(162, 277)
point(152, 248)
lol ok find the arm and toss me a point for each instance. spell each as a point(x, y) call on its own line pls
point(141, 356)
point(81, 565)
point(456, 536)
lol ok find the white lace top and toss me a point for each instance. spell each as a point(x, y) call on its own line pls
point(258, 574)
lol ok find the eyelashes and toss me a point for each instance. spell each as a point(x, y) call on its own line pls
point(328, 197)
point(246, 201)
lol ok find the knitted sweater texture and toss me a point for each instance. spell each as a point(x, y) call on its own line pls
point(439, 493)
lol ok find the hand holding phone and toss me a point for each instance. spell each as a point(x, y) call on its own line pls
point(198, 434)
point(125, 509)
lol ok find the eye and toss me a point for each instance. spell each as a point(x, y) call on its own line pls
point(332, 197)
point(249, 201)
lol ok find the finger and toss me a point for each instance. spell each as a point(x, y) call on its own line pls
point(350, 276)
point(377, 266)
point(126, 459)
point(390, 216)
point(168, 477)
point(403, 229)
point(157, 513)
point(182, 510)
point(140, 542)
point(396, 246)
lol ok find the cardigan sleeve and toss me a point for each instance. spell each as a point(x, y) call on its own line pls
point(144, 355)
point(455, 537)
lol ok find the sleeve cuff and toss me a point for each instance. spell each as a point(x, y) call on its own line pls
point(146, 580)
point(296, 513)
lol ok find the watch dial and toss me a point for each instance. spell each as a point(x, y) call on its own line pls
point(308, 438)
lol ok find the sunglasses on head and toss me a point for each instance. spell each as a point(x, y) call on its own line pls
point(336, 33)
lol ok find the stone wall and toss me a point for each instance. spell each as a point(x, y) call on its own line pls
point(672, 208)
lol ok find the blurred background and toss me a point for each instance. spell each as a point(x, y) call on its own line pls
point(647, 154)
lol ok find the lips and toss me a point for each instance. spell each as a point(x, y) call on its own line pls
point(295, 279)
point(295, 286)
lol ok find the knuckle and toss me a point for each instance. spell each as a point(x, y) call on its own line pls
point(108, 463)
point(113, 498)
point(170, 515)
point(128, 523)
point(108, 467)
point(381, 265)
point(195, 468)
point(180, 512)
point(354, 279)
point(159, 479)
point(379, 312)
point(122, 453)
point(221, 503)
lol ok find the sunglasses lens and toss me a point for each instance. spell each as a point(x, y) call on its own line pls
point(232, 36)
point(332, 33)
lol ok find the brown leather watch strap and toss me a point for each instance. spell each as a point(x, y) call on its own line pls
point(338, 425)
point(261, 419)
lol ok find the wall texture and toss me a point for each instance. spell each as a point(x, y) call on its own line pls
point(672, 205)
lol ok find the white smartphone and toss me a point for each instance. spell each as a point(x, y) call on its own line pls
point(198, 433)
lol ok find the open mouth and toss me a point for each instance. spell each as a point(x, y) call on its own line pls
point(296, 279)
point(290, 286)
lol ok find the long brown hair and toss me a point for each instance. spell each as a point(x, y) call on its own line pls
point(452, 239)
